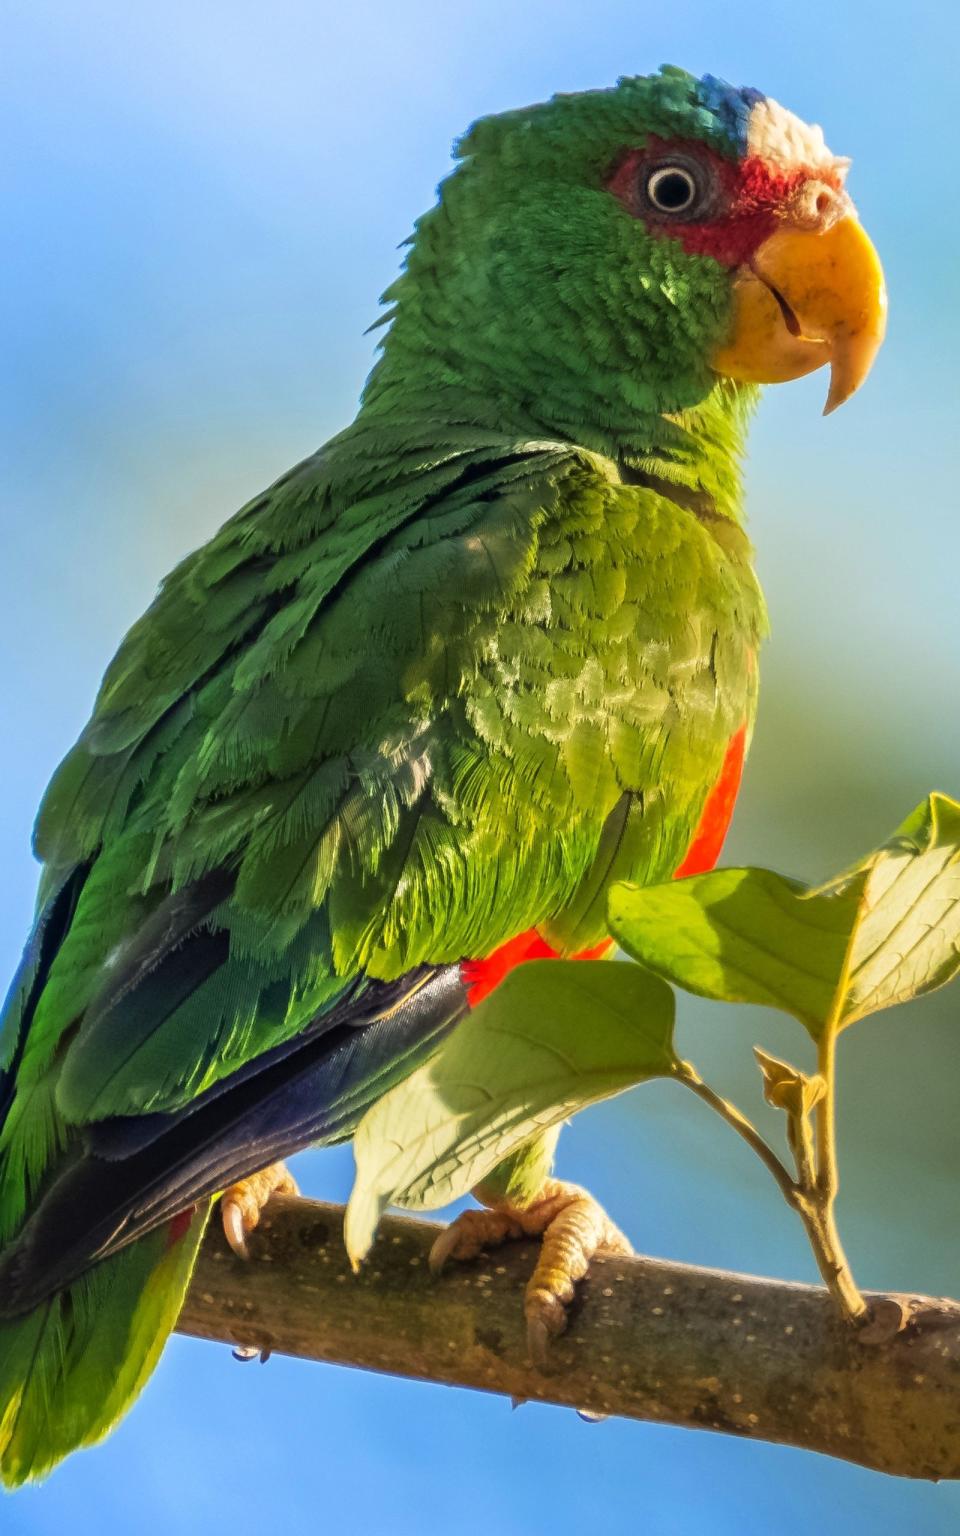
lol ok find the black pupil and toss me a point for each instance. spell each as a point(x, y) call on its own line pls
point(672, 190)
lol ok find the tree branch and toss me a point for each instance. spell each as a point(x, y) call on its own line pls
point(648, 1340)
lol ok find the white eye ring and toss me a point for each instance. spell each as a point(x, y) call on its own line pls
point(671, 189)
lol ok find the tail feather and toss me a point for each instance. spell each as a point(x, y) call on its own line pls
point(72, 1367)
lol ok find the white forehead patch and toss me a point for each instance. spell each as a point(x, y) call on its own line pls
point(775, 134)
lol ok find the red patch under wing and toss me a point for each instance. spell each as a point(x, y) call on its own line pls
point(480, 977)
point(717, 813)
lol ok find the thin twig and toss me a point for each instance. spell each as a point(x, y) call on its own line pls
point(818, 1210)
point(812, 1193)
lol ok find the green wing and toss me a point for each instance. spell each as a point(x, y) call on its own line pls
point(255, 756)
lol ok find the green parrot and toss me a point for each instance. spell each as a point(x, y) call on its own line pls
point(400, 723)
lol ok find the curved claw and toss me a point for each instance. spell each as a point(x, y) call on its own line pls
point(538, 1342)
point(243, 1203)
point(233, 1228)
point(546, 1319)
point(443, 1248)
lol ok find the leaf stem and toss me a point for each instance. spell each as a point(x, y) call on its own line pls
point(744, 1128)
point(827, 1178)
point(800, 1139)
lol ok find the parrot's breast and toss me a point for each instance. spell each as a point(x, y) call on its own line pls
point(612, 715)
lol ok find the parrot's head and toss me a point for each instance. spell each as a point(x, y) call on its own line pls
point(622, 251)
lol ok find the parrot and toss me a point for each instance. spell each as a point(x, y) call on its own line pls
point(397, 727)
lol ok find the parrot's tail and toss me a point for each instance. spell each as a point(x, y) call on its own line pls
point(73, 1366)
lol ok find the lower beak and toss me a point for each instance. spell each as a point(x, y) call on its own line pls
point(808, 298)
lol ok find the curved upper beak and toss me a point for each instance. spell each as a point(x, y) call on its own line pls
point(808, 297)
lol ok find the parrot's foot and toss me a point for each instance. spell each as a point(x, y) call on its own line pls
point(241, 1206)
point(573, 1227)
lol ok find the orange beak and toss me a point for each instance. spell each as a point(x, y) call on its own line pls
point(808, 298)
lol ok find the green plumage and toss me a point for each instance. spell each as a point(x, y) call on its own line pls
point(442, 683)
point(75, 1364)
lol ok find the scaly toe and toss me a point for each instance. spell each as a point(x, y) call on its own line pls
point(571, 1226)
point(574, 1228)
point(469, 1234)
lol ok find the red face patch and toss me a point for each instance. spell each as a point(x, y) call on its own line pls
point(735, 207)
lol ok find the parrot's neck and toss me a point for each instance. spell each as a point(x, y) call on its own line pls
point(694, 452)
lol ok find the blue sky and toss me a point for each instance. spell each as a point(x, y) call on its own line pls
point(202, 205)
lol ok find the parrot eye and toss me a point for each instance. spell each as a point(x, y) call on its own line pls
point(673, 184)
point(671, 189)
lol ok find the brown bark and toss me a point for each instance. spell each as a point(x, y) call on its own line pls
point(647, 1340)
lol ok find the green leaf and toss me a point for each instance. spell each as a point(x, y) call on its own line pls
point(553, 1037)
point(908, 938)
point(740, 936)
point(886, 931)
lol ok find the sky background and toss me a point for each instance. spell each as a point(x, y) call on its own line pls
point(201, 206)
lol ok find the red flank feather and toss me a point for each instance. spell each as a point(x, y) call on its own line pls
point(481, 976)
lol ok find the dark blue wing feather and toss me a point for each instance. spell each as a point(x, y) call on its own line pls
point(127, 1176)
